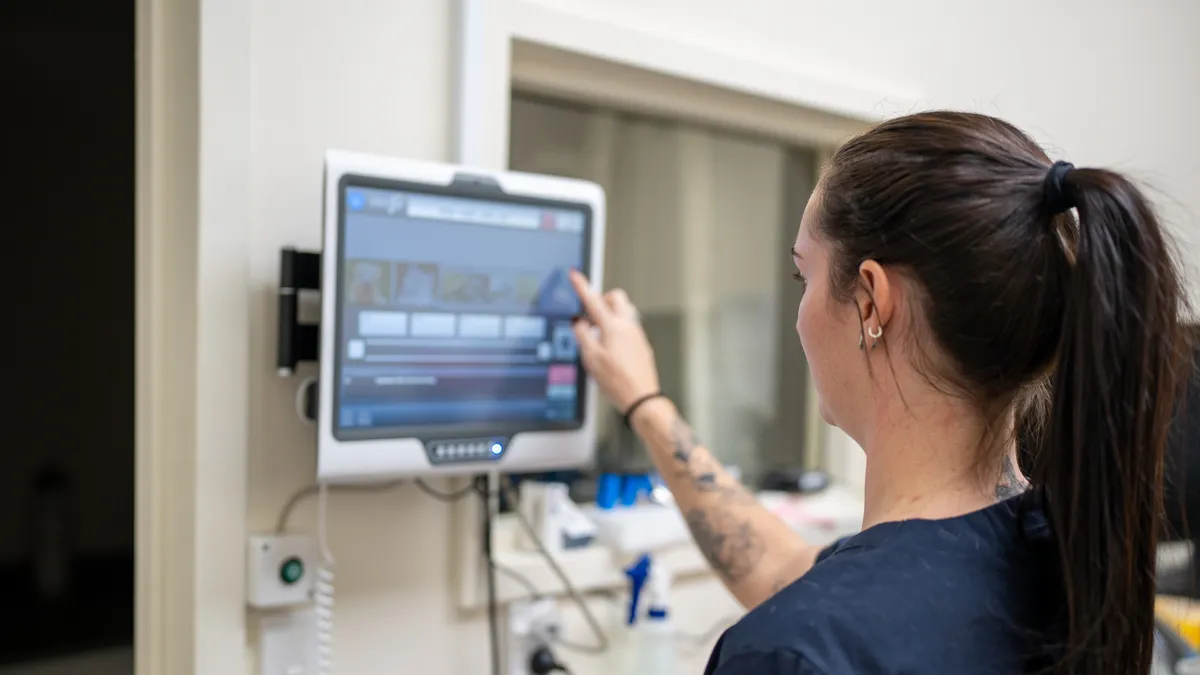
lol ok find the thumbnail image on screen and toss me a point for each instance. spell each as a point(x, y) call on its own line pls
point(456, 311)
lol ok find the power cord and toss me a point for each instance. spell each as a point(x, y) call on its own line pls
point(302, 400)
point(601, 639)
point(485, 497)
point(480, 487)
point(310, 490)
point(454, 496)
point(543, 661)
point(531, 591)
point(324, 590)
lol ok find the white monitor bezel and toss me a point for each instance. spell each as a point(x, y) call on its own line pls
point(370, 460)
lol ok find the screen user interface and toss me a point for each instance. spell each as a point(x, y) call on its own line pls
point(456, 311)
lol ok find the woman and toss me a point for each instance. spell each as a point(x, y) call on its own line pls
point(952, 297)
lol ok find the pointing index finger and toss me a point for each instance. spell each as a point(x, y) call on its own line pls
point(593, 304)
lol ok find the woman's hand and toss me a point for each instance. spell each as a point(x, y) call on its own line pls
point(753, 550)
point(613, 345)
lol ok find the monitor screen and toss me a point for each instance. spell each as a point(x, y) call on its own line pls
point(454, 312)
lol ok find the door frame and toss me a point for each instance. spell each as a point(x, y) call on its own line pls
point(193, 155)
point(167, 160)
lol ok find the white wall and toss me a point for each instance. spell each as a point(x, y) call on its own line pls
point(368, 75)
point(1103, 82)
point(1108, 82)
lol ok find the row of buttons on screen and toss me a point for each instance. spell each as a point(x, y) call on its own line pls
point(468, 450)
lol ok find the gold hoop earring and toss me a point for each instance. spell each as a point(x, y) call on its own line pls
point(875, 333)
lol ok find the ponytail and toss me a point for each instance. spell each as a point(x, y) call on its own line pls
point(1098, 468)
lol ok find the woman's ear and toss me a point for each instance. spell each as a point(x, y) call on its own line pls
point(875, 296)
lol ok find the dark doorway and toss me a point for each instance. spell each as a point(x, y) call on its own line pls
point(67, 461)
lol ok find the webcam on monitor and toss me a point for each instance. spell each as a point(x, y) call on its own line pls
point(446, 344)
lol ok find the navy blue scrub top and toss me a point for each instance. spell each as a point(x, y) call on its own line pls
point(969, 595)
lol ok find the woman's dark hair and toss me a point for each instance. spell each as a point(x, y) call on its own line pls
point(1024, 300)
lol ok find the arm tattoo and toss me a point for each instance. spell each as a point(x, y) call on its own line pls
point(685, 442)
point(728, 540)
point(1011, 484)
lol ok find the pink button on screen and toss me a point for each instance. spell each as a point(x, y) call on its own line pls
point(561, 374)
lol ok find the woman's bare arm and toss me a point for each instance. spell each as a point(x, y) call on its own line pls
point(754, 552)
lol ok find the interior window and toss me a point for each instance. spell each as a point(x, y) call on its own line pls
point(698, 227)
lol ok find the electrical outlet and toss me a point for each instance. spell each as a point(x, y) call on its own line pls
point(287, 643)
point(531, 624)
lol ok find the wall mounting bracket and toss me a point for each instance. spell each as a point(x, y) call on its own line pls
point(298, 271)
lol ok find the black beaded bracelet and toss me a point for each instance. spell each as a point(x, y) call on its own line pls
point(638, 403)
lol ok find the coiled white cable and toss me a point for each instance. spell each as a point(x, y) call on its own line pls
point(323, 596)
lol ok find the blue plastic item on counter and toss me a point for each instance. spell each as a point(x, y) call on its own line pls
point(638, 573)
point(608, 490)
point(634, 487)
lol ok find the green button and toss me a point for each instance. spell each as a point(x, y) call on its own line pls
point(291, 570)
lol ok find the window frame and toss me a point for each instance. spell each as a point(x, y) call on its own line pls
point(546, 72)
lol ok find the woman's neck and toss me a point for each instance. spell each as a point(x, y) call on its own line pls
point(935, 461)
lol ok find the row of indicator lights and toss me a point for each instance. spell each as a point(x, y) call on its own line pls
point(468, 450)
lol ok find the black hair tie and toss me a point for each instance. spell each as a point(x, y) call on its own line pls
point(1055, 188)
